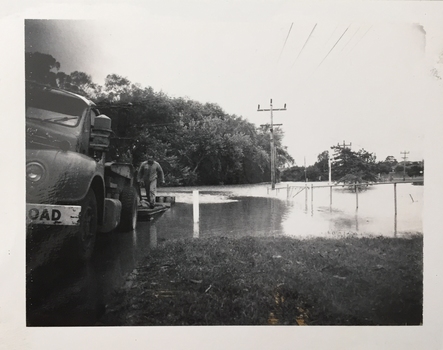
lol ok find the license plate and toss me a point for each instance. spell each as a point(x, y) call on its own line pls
point(45, 214)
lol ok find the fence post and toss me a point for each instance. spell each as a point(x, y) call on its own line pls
point(395, 208)
point(287, 191)
point(312, 199)
point(356, 197)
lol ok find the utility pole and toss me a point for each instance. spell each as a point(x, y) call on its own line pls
point(404, 163)
point(344, 145)
point(272, 139)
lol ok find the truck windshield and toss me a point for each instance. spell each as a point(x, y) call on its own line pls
point(53, 107)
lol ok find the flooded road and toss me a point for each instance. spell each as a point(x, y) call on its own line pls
point(300, 211)
point(67, 293)
point(62, 293)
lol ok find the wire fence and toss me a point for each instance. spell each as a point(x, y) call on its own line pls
point(367, 198)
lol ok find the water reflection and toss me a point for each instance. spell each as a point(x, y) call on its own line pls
point(153, 236)
point(356, 219)
point(62, 292)
point(196, 233)
point(371, 213)
point(331, 210)
point(256, 216)
point(242, 217)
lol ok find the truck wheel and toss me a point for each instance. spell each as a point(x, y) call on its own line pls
point(128, 217)
point(87, 230)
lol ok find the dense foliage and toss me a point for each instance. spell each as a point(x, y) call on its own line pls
point(196, 143)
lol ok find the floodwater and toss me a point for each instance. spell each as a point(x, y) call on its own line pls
point(297, 211)
point(62, 293)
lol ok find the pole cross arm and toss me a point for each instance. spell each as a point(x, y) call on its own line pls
point(270, 124)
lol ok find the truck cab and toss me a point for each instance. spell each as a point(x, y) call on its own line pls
point(68, 182)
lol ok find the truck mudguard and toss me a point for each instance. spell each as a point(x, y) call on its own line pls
point(64, 177)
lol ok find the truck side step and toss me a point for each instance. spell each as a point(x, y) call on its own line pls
point(165, 199)
point(145, 213)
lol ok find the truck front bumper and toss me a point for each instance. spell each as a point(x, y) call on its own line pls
point(46, 214)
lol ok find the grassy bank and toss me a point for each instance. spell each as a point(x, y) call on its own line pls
point(261, 281)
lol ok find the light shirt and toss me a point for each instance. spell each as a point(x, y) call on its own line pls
point(149, 172)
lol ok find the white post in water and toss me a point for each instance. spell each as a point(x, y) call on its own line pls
point(330, 183)
point(195, 206)
point(330, 172)
point(395, 208)
point(312, 199)
point(356, 197)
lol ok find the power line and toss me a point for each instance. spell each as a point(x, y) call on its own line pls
point(333, 46)
point(350, 39)
point(332, 34)
point(312, 31)
point(361, 38)
point(289, 32)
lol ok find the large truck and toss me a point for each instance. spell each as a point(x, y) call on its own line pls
point(69, 184)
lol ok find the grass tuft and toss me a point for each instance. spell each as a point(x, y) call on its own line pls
point(275, 281)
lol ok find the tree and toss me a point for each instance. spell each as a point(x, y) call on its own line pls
point(117, 88)
point(41, 68)
point(317, 172)
point(361, 164)
point(322, 166)
point(294, 173)
point(416, 169)
point(387, 166)
point(80, 83)
point(391, 160)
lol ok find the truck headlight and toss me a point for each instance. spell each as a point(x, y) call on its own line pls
point(34, 172)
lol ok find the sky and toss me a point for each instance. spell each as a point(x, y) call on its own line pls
point(359, 80)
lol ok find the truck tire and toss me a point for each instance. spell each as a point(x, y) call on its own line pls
point(128, 217)
point(87, 230)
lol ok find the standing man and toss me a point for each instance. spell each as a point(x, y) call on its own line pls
point(148, 172)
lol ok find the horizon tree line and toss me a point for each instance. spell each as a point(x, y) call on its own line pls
point(196, 143)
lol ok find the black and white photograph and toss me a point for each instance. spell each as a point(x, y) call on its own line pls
point(255, 166)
